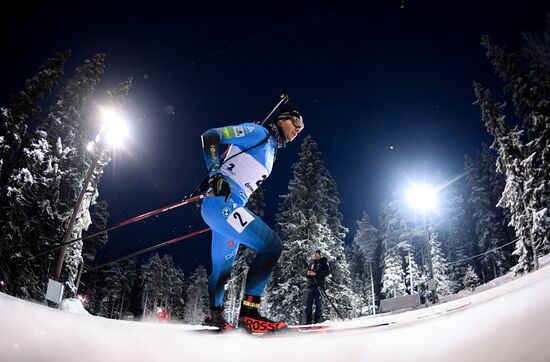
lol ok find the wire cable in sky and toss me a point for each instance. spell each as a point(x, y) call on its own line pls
point(280, 30)
point(486, 252)
point(285, 28)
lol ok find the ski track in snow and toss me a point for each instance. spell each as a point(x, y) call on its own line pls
point(510, 322)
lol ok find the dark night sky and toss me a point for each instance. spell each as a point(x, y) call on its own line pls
point(366, 76)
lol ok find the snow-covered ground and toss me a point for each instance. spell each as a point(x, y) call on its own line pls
point(510, 322)
point(72, 305)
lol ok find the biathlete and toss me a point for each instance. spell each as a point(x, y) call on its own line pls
point(248, 163)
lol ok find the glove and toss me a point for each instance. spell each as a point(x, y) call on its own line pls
point(220, 186)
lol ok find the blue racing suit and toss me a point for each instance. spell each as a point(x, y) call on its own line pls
point(231, 222)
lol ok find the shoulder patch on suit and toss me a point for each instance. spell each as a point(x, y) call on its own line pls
point(239, 131)
point(228, 132)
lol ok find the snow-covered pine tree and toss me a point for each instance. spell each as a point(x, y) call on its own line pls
point(16, 123)
point(108, 292)
point(256, 202)
point(88, 280)
point(537, 51)
point(49, 179)
point(234, 290)
point(163, 284)
point(111, 290)
point(197, 304)
point(99, 217)
point(129, 275)
point(498, 183)
point(174, 302)
point(42, 190)
point(300, 225)
point(88, 128)
point(439, 267)
point(510, 161)
point(537, 123)
point(22, 112)
point(392, 263)
point(304, 225)
point(363, 264)
point(360, 281)
point(339, 285)
point(470, 280)
point(457, 229)
point(92, 287)
point(526, 79)
point(488, 226)
point(367, 238)
point(414, 278)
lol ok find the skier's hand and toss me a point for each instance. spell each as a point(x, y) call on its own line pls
point(220, 186)
point(312, 273)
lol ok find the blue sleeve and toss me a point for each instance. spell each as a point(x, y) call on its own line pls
point(244, 135)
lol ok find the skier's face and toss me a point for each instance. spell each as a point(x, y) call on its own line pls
point(316, 256)
point(290, 128)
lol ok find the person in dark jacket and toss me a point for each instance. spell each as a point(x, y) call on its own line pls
point(137, 296)
point(316, 274)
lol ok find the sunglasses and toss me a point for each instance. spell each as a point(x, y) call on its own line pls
point(297, 122)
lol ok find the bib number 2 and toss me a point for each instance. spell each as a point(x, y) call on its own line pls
point(240, 219)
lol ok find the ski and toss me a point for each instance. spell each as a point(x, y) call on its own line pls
point(293, 330)
point(333, 329)
point(314, 329)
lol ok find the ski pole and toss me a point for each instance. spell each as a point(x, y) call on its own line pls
point(202, 186)
point(143, 251)
point(323, 293)
point(284, 100)
point(185, 201)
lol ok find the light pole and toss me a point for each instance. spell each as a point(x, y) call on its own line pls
point(430, 265)
point(424, 198)
point(70, 228)
point(110, 134)
point(372, 289)
point(405, 246)
point(411, 273)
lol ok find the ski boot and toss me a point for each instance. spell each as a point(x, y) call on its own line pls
point(215, 319)
point(251, 320)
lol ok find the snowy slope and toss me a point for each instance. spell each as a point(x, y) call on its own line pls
point(72, 305)
point(510, 322)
